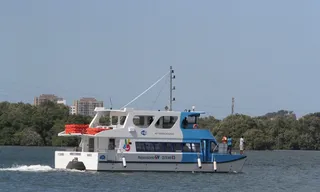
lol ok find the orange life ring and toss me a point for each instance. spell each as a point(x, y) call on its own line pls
point(195, 126)
point(224, 139)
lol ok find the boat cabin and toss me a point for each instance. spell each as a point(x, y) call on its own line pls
point(135, 124)
point(143, 119)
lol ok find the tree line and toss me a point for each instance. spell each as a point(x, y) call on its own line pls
point(28, 125)
point(276, 130)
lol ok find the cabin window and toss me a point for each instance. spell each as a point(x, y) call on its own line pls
point(142, 121)
point(91, 145)
point(159, 147)
point(177, 147)
point(114, 120)
point(140, 147)
point(189, 121)
point(192, 119)
point(149, 147)
point(111, 145)
point(213, 147)
point(195, 147)
point(166, 122)
point(167, 147)
point(104, 120)
point(122, 120)
point(186, 147)
point(191, 147)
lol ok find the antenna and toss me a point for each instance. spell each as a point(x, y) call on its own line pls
point(110, 103)
point(171, 87)
point(232, 106)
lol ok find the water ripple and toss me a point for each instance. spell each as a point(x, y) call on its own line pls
point(264, 171)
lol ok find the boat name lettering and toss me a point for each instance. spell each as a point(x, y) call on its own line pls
point(76, 154)
point(169, 157)
point(149, 157)
point(155, 157)
point(164, 133)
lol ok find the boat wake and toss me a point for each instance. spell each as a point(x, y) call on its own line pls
point(34, 168)
point(29, 168)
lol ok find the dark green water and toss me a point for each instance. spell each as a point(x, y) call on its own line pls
point(31, 169)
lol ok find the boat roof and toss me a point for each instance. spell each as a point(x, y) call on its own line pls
point(186, 113)
point(192, 113)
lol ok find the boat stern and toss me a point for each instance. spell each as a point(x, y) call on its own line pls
point(76, 160)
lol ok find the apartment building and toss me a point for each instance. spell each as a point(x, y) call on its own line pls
point(86, 106)
point(72, 110)
point(45, 98)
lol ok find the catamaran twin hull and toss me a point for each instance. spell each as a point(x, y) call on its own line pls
point(94, 161)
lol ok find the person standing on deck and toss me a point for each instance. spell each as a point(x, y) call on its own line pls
point(185, 123)
point(229, 140)
point(241, 145)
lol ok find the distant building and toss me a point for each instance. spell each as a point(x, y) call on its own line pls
point(45, 98)
point(72, 110)
point(86, 106)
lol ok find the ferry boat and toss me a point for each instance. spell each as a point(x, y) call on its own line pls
point(144, 140)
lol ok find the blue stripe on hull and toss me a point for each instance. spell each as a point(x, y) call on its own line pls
point(168, 162)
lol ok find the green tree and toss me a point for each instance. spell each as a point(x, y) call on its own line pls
point(25, 124)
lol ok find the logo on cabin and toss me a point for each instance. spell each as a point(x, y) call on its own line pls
point(102, 157)
point(143, 132)
point(126, 145)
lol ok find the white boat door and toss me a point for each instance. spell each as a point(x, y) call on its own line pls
point(112, 150)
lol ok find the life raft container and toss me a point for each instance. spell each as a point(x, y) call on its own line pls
point(84, 129)
point(76, 128)
point(93, 131)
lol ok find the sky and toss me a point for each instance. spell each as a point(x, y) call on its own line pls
point(265, 54)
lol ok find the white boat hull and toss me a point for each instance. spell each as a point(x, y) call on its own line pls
point(92, 163)
point(235, 166)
